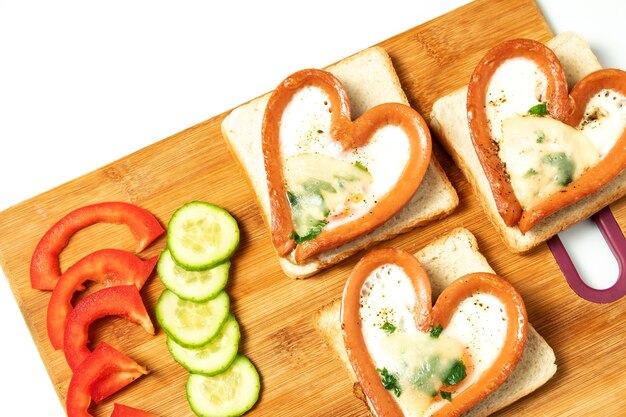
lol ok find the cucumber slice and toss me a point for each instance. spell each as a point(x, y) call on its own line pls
point(212, 358)
point(201, 235)
point(229, 394)
point(195, 286)
point(192, 324)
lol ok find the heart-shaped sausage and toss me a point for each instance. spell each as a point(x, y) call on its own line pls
point(396, 342)
point(597, 176)
point(347, 138)
point(560, 106)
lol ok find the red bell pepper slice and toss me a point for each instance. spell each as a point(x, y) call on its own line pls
point(121, 300)
point(120, 410)
point(104, 360)
point(44, 265)
point(107, 266)
point(111, 383)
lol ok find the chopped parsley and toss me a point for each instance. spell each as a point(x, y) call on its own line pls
point(530, 173)
point(446, 395)
point(359, 165)
point(540, 109)
point(424, 376)
point(388, 327)
point(563, 165)
point(435, 331)
point(540, 136)
point(313, 232)
point(309, 209)
point(456, 374)
point(293, 199)
point(390, 381)
point(315, 186)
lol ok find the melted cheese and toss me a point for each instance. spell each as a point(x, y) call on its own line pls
point(506, 99)
point(604, 120)
point(543, 155)
point(409, 355)
point(481, 323)
point(477, 328)
point(321, 187)
point(304, 129)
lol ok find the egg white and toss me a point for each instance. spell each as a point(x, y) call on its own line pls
point(305, 128)
point(515, 87)
point(506, 98)
point(604, 120)
point(478, 325)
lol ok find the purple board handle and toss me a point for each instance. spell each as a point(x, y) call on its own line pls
point(613, 235)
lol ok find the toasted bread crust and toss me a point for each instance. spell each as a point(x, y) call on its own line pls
point(446, 259)
point(448, 121)
point(435, 198)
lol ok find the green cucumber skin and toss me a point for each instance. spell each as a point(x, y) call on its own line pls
point(163, 277)
point(190, 368)
point(205, 265)
point(236, 413)
point(247, 397)
point(197, 371)
point(176, 338)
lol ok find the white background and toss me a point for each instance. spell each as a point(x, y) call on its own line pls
point(83, 83)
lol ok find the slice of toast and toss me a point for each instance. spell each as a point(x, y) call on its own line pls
point(449, 125)
point(446, 259)
point(369, 79)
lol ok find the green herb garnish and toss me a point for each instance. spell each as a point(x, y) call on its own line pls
point(540, 109)
point(423, 377)
point(293, 200)
point(530, 173)
point(359, 165)
point(446, 395)
point(313, 231)
point(456, 374)
point(388, 327)
point(564, 166)
point(426, 375)
point(315, 186)
point(390, 381)
point(435, 331)
point(540, 136)
point(309, 209)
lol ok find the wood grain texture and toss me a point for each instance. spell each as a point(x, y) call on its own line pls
point(300, 376)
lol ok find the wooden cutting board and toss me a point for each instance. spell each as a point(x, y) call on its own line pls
point(300, 375)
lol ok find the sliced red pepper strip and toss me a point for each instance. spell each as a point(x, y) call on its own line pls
point(103, 361)
point(111, 383)
point(120, 410)
point(107, 266)
point(44, 265)
point(121, 300)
